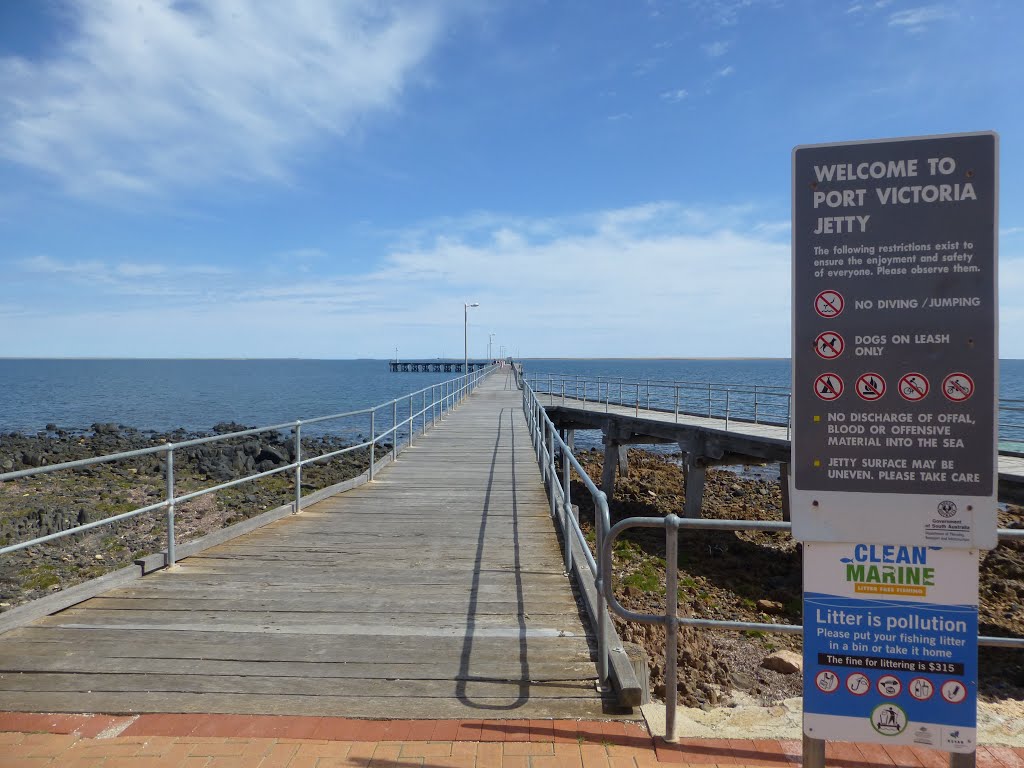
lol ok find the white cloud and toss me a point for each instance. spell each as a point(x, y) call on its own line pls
point(716, 49)
point(914, 19)
point(633, 280)
point(143, 97)
point(675, 95)
point(726, 71)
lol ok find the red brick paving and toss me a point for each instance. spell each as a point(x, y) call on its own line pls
point(267, 741)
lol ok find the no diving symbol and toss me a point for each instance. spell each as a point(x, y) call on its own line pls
point(870, 386)
point(829, 304)
point(828, 387)
point(958, 387)
point(829, 345)
point(913, 387)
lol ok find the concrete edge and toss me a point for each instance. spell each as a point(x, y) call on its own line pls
point(58, 601)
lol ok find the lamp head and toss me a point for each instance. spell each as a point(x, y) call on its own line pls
point(474, 304)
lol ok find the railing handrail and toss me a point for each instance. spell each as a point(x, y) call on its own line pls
point(445, 395)
point(769, 404)
point(546, 439)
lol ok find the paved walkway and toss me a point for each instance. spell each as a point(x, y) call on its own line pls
point(437, 590)
point(233, 741)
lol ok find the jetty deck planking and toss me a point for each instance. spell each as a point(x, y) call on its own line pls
point(437, 591)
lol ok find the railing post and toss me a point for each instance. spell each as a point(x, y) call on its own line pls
point(677, 403)
point(671, 624)
point(567, 529)
point(621, 402)
point(709, 399)
point(636, 411)
point(298, 466)
point(551, 474)
point(604, 571)
point(394, 430)
point(169, 471)
point(648, 394)
point(423, 412)
point(789, 420)
point(755, 403)
point(563, 391)
point(412, 420)
point(373, 439)
point(727, 393)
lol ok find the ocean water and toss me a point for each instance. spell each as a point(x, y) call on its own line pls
point(163, 395)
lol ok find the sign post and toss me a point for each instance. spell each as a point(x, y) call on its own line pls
point(895, 396)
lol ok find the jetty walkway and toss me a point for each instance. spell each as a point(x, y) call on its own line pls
point(435, 591)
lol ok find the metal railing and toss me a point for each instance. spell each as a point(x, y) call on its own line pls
point(443, 396)
point(547, 444)
point(754, 404)
point(751, 404)
point(671, 620)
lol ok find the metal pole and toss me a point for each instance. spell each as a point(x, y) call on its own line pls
point(566, 511)
point(755, 403)
point(170, 504)
point(394, 430)
point(727, 393)
point(709, 399)
point(789, 406)
point(465, 337)
point(636, 411)
point(814, 752)
point(671, 624)
point(648, 394)
point(603, 572)
point(677, 403)
point(373, 440)
point(423, 412)
point(551, 475)
point(298, 467)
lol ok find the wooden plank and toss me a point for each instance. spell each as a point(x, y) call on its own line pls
point(410, 707)
point(435, 590)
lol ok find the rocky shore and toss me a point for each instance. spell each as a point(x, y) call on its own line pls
point(52, 502)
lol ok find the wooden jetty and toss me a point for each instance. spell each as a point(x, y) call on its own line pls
point(437, 366)
point(704, 441)
point(435, 591)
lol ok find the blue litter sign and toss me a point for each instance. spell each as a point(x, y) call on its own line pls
point(890, 644)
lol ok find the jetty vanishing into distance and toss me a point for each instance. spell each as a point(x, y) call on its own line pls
point(450, 580)
point(437, 366)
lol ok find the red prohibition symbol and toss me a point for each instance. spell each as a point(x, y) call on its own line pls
point(913, 387)
point(829, 345)
point(828, 387)
point(829, 304)
point(870, 387)
point(958, 387)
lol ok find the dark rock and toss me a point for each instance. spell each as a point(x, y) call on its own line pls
point(108, 428)
point(51, 427)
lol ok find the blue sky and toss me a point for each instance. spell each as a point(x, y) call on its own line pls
point(334, 179)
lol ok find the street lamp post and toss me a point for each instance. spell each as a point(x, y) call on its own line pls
point(490, 345)
point(465, 334)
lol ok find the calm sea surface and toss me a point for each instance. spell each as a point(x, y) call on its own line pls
point(196, 394)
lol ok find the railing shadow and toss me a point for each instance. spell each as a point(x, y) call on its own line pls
point(465, 678)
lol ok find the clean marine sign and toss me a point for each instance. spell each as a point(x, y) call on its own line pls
point(890, 644)
point(894, 341)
